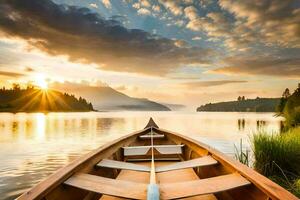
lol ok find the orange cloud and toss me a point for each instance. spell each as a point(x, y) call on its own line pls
point(200, 84)
point(11, 74)
point(261, 65)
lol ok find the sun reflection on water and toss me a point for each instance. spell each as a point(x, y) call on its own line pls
point(32, 146)
point(40, 125)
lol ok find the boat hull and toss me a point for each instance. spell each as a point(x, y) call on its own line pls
point(252, 185)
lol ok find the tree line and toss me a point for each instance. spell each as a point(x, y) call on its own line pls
point(242, 105)
point(289, 107)
point(32, 99)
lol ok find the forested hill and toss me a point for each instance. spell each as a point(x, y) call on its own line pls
point(36, 100)
point(289, 107)
point(243, 105)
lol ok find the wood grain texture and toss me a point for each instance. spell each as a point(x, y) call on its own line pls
point(157, 136)
point(201, 187)
point(162, 178)
point(84, 163)
point(271, 189)
point(181, 175)
point(129, 175)
point(198, 162)
point(145, 150)
point(112, 187)
point(122, 165)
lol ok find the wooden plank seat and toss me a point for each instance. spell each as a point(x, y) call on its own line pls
point(202, 186)
point(162, 178)
point(155, 159)
point(129, 175)
point(107, 186)
point(198, 162)
point(154, 136)
point(168, 190)
point(144, 150)
point(122, 165)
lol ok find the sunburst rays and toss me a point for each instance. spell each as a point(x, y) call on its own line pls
point(44, 100)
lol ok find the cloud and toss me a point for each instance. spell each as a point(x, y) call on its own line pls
point(156, 8)
point(145, 3)
point(261, 65)
point(11, 74)
point(136, 5)
point(196, 38)
point(142, 7)
point(205, 3)
point(124, 88)
point(121, 88)
point(273, 22)
point(29, 69)
point(243, 24)
point(106, 3)
point(179, 23)
point(200, 84)
point(87, 37)
point(93, 5)
point(173, 6)
point(143, 11)
point(215, 24)
point(180, 43)
point(191, 12)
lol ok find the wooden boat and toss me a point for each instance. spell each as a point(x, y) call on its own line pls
point(156, 164)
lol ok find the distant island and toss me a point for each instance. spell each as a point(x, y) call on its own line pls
point(242, 105)
point(32, 99)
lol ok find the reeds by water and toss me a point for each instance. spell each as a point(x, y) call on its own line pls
point(242, 155)
point(277, 156)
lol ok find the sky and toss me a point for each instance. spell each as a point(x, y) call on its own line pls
point(187, 52)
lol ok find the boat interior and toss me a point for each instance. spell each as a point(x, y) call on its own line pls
point(151, 164)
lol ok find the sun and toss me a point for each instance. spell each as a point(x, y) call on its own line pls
point(41, 81)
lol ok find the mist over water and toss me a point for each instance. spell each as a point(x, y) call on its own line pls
point(33, 146)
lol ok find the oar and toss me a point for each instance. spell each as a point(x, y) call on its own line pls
point(153, 189)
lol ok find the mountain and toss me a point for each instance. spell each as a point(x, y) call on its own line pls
point(105, 98)
point(247, 105)
point(36, 100)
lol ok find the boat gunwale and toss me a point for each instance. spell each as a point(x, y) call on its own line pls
point(41, 189)
point(270, 188)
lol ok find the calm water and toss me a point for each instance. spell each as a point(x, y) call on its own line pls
point(32, 146)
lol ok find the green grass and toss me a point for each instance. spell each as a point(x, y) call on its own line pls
point(297, 187)
point(292, 118)
point(277, 156)
point(241, 155)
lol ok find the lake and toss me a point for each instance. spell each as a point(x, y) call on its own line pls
point(32, 146)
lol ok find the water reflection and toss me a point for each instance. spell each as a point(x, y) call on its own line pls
point(241, 124)
point(282, 127)
point(260, 125)
point(40, 125)
point(32, 146)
